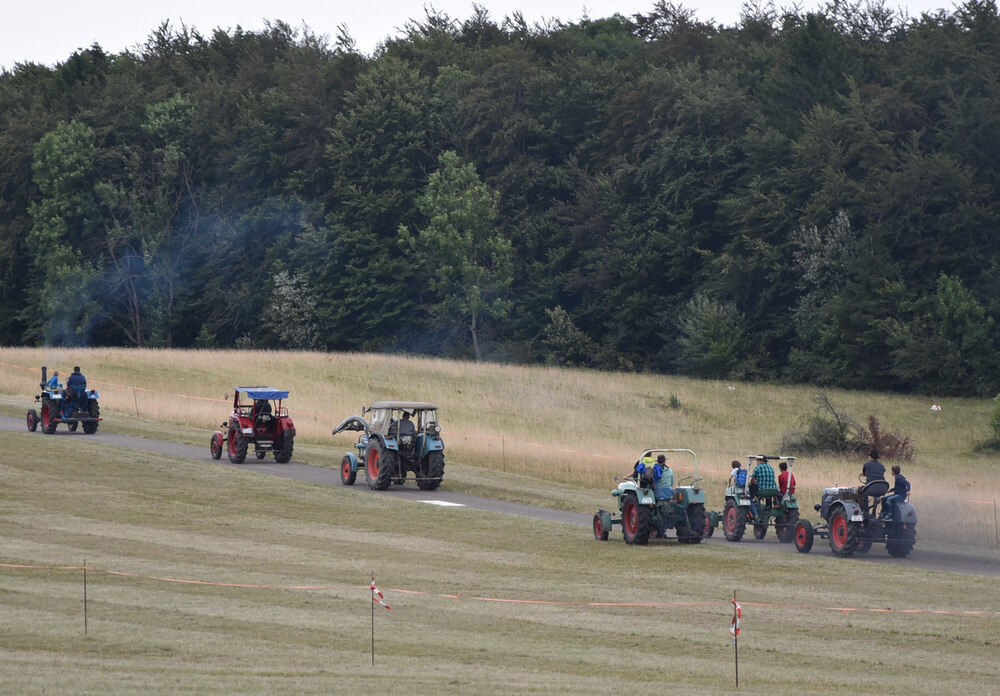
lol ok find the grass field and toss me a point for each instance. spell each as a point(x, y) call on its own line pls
point(577, 427)
point(280, 605)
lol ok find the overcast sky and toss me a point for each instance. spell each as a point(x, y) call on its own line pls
point(49, 31)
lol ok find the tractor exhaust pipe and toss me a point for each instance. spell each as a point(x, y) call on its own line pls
point(44, 377)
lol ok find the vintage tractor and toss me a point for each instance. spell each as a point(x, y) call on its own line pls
point(641, 515)
point(73, 406)
point(851, 524)
point(767, 508)
point(258, 418)
point(399, 437)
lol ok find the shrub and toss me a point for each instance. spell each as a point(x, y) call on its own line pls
point(831, 431)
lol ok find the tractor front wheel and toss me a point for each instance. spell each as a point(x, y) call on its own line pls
point(709, 527)
point(636, 522)
point(216, 446)
point(843, 533)
point(785, 530)
point(435, 472)
point(759, 530)
point(284, 454)
point(803, 534)
point(734, 523)
point(600, 531)
point(238, 444)
point(347, 475)
point(31, 420)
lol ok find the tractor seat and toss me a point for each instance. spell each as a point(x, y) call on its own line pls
point(875, 489)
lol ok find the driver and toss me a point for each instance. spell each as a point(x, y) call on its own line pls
point(762, 478)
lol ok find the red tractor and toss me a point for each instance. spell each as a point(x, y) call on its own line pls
point(258, 417)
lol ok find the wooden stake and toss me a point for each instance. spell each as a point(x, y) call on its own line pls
point(85, 596)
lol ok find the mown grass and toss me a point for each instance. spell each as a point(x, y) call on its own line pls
point(260, 540)
point(579, 428)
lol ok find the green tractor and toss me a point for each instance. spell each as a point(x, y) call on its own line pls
point(763, 508)
point(649, 504)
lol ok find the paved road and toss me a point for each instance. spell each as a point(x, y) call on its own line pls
point(298, 471)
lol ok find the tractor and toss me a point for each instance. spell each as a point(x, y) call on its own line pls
point(399, 437)
point(766, 508)
point(259, 418)
point(851, 524)
point(641, 515)
point(73, 406)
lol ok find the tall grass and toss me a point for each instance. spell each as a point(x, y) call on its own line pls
point(579, 427)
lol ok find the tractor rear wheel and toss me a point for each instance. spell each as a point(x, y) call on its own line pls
point(870, 532)
point(48, 426)
point(636, 522)
point(695, 524)
point(347, 475)
point(238, 444)
point(759, 530)
point(600, 532)
point(734, 524)
point(31, 420)
point(902, 539)
point(284, 454)
point(435, 472)
point(90, 427)
point(709, 529)
point(785, 530)
point(843, 533)
point(216, 446)
point(803, 533)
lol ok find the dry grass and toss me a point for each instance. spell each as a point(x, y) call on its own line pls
point(258, 540)
point(579, 427)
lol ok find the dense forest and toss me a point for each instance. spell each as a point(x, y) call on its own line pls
point(807, 197)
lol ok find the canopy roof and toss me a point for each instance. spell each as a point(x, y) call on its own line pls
point(263, 392)
point(406, 405)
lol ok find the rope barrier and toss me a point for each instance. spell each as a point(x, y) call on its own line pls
point(509, 600)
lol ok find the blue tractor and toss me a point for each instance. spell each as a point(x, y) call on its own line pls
point(398, 437)
point(74, 406)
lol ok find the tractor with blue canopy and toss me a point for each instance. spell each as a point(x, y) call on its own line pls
point(260, 418)
point(397, 437)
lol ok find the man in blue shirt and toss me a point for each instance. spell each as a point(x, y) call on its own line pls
point(900, 489)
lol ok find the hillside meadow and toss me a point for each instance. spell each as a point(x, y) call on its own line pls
point(206, 579)
point(574, 428)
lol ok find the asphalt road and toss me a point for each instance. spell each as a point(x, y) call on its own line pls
point(299, 471)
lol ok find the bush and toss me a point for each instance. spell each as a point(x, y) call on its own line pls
point(831, 431)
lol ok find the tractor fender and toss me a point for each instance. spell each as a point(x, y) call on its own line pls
point(288, 431)
point(387, 443)
point(354, 460)
point(689, 495)
point(431, 444)
point(853, 510)
point(643, 495)
point(907, 513)
point(606, 521)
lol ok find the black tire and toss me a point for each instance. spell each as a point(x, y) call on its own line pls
point(73, 425)
point(347, 475)
point(759, 530)
point(283, 455)
point(238, 444)
point(843, 533)
point(637, 521)
point(260, 453)
point(695, 524)
point(785, 530)
point(435, 472)
point(90, 427)
point(600, 531)
point(902, 539)
point(48, 425)
point(709, 528)
point(803, 536)
point(31, 420)
point(734, 524)
point(870, 532)
point(215, 445)
point(379, 466)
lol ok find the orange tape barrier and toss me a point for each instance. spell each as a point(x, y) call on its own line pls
point(506, 600)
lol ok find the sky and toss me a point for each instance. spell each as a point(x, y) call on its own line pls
point(49, 32)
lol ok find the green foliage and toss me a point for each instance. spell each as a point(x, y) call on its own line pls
point(565, 343)
point(712, 340)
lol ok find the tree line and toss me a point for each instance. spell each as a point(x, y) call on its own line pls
point(807, 197)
